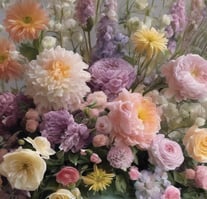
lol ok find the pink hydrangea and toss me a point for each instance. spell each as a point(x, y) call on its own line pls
point(135, 119)
point(186, 77)
point(171, 192)
point(67, 175)
point(201, 177)
point(165, 153)
point(120, 157)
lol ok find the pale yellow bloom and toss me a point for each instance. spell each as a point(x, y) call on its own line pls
point(98, 179)
point(42, 146)
point(61, 194)
point(149, 41)
point(23, 168)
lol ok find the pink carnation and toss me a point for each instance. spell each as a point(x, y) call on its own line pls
point(171, 192)
point(201, 177)
point(165, 153)
point(67, 175)
point(135, 119)
point(187, 77)
point(120, 157)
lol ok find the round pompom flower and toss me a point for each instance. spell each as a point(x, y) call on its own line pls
point(57, 80)
point(120, 157)
point(111, 75)
point(186, 77)
point(25, 19)
point(165, 153)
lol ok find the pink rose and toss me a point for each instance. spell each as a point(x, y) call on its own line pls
point(31, 125)
point(201, 177)
point(100, 140)
point(190, 174)
point(171, 192)
point(67, 175)
point(134, 173)
point(187, 77)
point(97, 98)
point(95, 158)
point(135, 119)
point(165, 153)
point(103, 125)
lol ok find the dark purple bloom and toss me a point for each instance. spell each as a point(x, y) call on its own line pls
point(111, 75)
point(55, 124)
point(84, 10)
point(75, 138)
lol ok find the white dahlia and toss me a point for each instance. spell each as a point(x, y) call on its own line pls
point(57, 79)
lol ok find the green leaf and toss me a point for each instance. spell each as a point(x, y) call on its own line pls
point(179, 178)
point(73, 158)
point(120, 184)
point(28, 51)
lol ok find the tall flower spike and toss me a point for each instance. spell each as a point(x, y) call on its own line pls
point(25, 19)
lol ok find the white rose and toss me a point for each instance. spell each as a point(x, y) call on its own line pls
point(24, 169)
point(42, 146)
point(61, 193)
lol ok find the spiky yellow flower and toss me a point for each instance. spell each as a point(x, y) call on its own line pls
point(98, 179)
point(149, 41)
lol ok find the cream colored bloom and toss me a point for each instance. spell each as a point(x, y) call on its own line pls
point(61, 194)
point(141, 4)
point(57, 80)
point(24, 169)
point(42, 146)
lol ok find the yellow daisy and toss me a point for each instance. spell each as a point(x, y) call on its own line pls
point(98, 179)
point(149, 41)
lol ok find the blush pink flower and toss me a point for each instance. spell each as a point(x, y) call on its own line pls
point(103, 125)
point(135, 119)
point(95, 158)
point(171, 192)
point(67, 175)
point(100, 140)
point(189, 174)
point(201, 177)
point(134, 173)
point(186, 77)
point(165, 153)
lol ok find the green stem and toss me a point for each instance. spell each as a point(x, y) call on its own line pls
point(97, 10)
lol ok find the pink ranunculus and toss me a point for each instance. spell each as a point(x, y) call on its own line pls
point(134, 173)
point(135, 119)
point(171, 192)
point(103, 125)
point(165, 153)
point(100, 140)
point(95, 158)
point(186, 77)
point(67, 175)
point(201, 177)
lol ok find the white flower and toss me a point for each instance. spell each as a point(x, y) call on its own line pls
point(42, 146)
point(57, 80)
point(141, 4)
point(166, 19)
point(49, 42)
point(61, 193)
point(24, 169)
point(70, 23)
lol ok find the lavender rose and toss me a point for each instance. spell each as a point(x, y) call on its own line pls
point(165, 153)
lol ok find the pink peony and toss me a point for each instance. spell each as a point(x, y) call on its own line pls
point(165, 153)
point(187, 77)
point(135, 119)
point(201, 177)
point(100, 140)
point(67, 175)
point(171, 192)
point(120, 157)
point(134, 173)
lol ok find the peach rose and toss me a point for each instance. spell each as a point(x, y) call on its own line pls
point(195, 141)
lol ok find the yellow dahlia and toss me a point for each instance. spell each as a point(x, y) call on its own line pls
point(149, 41)
point(57, 80)
point(98, 179)
point(25, 19)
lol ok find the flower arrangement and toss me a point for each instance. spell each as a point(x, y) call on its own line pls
point(103, 99)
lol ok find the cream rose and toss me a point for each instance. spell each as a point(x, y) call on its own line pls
point(42, 146)
point(23, 168)
point(195, 141)
point(61, 193)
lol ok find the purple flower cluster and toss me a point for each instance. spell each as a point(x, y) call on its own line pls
point(84, 10)
point(59, 127)
point(111, 75)
point(109, 42)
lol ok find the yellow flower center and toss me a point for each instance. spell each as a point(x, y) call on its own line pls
point(27, 19)
point(195, 72)
point(3, 57)
point(58, 70)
